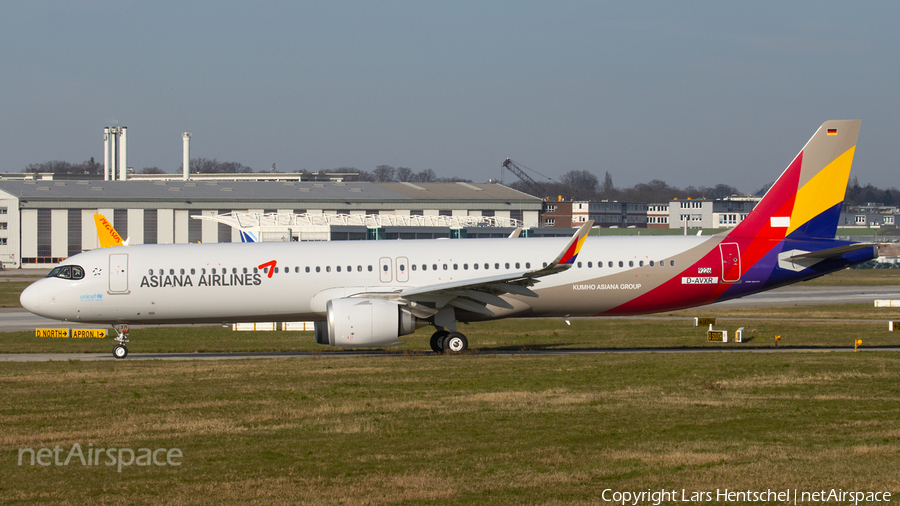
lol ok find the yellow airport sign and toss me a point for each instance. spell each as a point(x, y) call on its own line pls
point(88, 333)
point(73, 333)
point(717, 336)
point(51, 332)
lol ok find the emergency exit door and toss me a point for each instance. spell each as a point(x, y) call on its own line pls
point(731, 262)
point(118, 273)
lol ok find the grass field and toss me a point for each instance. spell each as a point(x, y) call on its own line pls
point(671, 330)
point(482, 429)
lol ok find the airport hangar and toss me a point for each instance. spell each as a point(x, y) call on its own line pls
point(44, 221)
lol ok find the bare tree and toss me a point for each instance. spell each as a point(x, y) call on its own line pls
point(405, 174)
point(207, 166)
point(87, 167)
point(426, 176)
point(580, 184)
point(151, 170)
point(385, 174)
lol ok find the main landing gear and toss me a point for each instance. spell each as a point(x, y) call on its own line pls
point(453, 342)
point(120, 351)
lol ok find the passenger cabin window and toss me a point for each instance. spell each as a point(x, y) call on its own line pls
point(307, 269)
point(67, 272)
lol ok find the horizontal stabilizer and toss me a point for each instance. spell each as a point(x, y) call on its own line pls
point(798, 260)
point(831, 252)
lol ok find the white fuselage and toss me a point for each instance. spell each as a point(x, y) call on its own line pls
point(225, 282)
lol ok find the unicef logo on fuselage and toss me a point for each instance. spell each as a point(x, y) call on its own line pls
point(93, 297)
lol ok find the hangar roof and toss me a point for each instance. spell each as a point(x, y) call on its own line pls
point(260, 191)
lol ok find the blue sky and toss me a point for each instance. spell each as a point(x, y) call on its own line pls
point(693, 93)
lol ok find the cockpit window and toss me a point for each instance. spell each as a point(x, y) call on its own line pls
point(67, 272)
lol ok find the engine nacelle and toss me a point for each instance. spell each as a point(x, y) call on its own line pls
point(364, 322)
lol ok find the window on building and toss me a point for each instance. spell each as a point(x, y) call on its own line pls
point(43, 233)
point(120, 221)
point(74, 239)
point(860, 219)
point(150, 226)
point(195, 226)
point(224, 231)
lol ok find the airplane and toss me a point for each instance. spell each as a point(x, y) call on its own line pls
point(106, 233)
point(371, 294)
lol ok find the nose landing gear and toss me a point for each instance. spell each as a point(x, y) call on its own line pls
point(120, 351)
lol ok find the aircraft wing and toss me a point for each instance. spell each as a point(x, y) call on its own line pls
point(476, 294)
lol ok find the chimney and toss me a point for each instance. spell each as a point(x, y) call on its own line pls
point(186, 156)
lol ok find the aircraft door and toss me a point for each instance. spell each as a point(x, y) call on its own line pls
point(402, 269)
point(731, 262)
point(385, 268)
point(118, 273)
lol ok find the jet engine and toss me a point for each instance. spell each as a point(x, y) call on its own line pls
point(364, 322)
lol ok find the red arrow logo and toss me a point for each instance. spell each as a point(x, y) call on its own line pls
point(270, 265)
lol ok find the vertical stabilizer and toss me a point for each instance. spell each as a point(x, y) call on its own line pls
point(106, 233)
point(805, 202)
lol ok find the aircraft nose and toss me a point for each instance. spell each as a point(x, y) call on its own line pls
point(30, 298)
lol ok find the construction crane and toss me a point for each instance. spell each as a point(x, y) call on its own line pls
point(539, 190)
